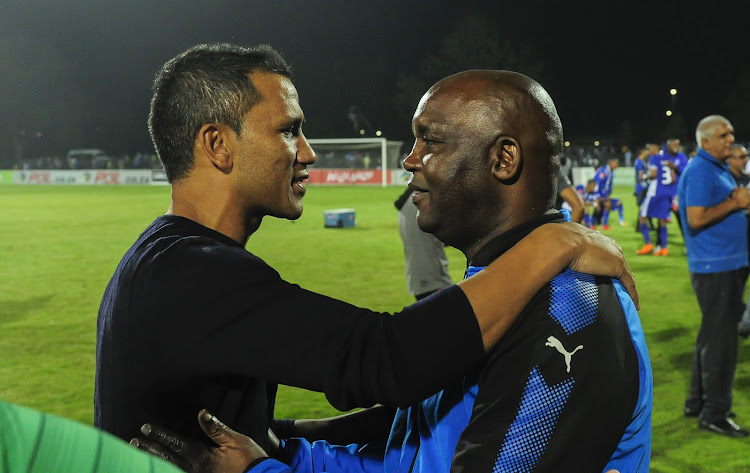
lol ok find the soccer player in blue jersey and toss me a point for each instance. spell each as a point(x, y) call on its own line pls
point(642, 174)
point(677, 161)
point(604, 178)
point(569, 388)
point(591, 203)
point(595, 204)
point(663, 172)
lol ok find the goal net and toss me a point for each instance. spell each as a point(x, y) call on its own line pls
point(356, 161)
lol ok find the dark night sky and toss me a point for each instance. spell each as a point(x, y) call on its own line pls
point(80, 72)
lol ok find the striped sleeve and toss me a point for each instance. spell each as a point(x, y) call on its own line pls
point(32, 441)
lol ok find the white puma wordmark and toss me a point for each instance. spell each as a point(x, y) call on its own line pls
point(557, 345)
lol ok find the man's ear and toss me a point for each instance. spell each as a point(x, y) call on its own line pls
point(216, 142)
point(505, 158)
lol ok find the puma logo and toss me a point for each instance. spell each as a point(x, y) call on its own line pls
point(557, 345)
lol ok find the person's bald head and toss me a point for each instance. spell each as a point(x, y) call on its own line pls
point(487, 151)
point(506, 103)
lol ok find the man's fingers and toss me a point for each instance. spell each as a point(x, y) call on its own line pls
point(234, 449)
point(214, 428)
point(153, 448)
point(273, 439)
point(159, 451)
point(165, 437)
point(602, 256)
point(626, 277)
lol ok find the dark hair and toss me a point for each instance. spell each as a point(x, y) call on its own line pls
point(208, 83)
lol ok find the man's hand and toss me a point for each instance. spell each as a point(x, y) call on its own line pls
point(742, 196)
point(598, 254)
point(534, 261)
point(233, 453)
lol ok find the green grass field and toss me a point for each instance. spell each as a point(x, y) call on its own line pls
point(59, 246)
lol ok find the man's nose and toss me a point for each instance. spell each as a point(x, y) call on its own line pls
point(412, 161)
point(305, 153)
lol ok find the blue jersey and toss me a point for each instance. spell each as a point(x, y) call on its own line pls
point(641, 184)
point(665, 182)
point(568, 388)
point(680, 160)
point(604, 178)
point(590, 198)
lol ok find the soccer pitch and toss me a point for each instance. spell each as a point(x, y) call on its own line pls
point(59, 246)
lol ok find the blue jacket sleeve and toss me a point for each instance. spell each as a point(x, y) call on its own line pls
point(322, 457)
point(634, 450)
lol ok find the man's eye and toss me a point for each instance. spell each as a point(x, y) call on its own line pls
point(291, 131)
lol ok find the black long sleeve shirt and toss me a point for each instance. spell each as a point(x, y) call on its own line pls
point(191, 320)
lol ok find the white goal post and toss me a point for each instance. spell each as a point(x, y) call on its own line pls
point(355, 161)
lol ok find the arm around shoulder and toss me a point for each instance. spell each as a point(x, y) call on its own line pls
point(524, 269)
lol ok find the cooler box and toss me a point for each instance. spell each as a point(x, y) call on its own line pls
point(339, 218)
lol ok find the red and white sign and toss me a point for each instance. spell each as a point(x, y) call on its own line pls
point(347, 176)
point(39, 177)
point(157, 177)
point(85, 176)
point(107, 177)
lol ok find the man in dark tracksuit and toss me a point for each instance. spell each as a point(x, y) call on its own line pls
point(569, 387)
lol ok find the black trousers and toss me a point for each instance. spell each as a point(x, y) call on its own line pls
point(639, 196)
point(715, 354)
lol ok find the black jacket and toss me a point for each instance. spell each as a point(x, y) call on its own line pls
point(192, 320)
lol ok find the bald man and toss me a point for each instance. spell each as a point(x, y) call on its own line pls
point(569, 387)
